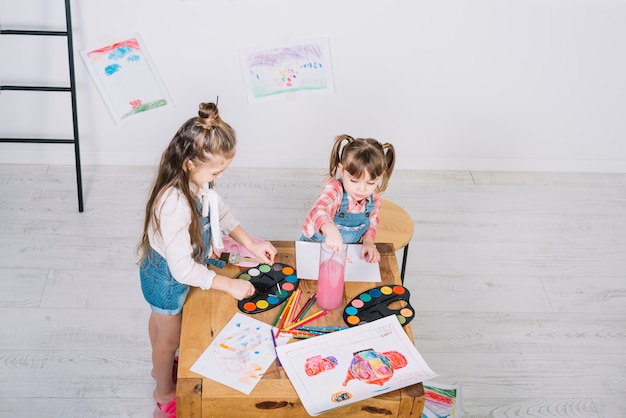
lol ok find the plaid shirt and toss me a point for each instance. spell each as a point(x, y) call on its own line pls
point(329, 202)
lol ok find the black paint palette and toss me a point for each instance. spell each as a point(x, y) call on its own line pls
point(273, 284)
point(375, 303)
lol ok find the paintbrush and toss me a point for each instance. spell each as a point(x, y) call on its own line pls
point(232, 258)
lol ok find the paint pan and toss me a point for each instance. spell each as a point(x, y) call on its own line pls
point(377, 303)
point(273, 284)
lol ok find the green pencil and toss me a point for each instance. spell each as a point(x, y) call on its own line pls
point(279, 313)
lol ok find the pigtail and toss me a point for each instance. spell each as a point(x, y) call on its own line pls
point(390, 159)
point(336, 153)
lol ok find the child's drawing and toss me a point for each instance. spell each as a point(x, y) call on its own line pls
point(126, 77)
point(239, 354)
point(318, 364)
point(301, 67)
point(374, 368)
point(442, 400)
point(333, 370)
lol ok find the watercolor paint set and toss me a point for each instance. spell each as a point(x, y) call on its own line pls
point(273, 284)
point(377, 303)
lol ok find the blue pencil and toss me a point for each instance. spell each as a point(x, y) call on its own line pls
point(322, 329)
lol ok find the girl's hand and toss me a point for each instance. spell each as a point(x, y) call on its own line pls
point(237, 288)
point(334, 244)
point(332, 237)
point(370, 253)
point(240, 289)
point(264, 250)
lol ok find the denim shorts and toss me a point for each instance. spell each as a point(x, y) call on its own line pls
point(163, 293)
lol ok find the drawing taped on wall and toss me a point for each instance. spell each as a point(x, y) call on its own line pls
point(126, 78)
point(303, 66)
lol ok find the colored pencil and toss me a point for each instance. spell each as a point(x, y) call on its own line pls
point(301, 329)
point(322, 329)
point(292, 314)
point(309, 318)
point(285, 314)
point(305, 310)
point(296, 332)
point(280, 313)
point(306, 306)
point(275, 350)
point(303, 337)
point(290, 307)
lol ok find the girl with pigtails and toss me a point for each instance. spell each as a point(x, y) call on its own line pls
point(346, 210)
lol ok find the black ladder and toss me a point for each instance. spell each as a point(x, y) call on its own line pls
point(71, 89)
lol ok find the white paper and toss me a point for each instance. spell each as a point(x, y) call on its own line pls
point(333, 383)
point(357, 269)
point(239, 354)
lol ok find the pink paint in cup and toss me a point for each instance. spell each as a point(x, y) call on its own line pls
point(330, 278)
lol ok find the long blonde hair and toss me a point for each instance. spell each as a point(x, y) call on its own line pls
point(363, 155)
point(199, 139)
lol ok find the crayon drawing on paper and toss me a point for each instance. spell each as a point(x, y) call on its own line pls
point(442, 400)
point(340, 368)
point(126, 78)
point(300, 67)
point(239, 354)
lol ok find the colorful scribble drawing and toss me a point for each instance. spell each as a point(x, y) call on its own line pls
point(374, 368)
point(239, 355)
point(305, 66)
point(126, 78)
point(236, 354)
point(441, 400)
point(318, 364)
point(373, 358)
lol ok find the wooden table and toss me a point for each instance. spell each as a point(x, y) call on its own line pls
point(207, 311)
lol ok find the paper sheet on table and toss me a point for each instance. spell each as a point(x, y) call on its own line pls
point(357, 270)
point(343, 367)
point(239, 354)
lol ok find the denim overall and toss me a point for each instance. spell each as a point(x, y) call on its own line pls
point(352, 226)
point(164, 294)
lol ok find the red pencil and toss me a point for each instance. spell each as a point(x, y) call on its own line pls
point(306, 306)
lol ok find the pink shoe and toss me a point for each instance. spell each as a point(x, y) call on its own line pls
point(167, 410)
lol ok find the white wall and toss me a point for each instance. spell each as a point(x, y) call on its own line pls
point(453, 84)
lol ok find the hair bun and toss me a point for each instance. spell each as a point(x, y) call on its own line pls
point(208, 115)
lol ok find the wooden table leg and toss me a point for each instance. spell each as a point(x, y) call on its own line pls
point(189, 398)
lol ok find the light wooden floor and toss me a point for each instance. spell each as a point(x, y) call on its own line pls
point(519, 281)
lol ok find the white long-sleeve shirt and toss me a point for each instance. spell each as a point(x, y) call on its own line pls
point(173, 240)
